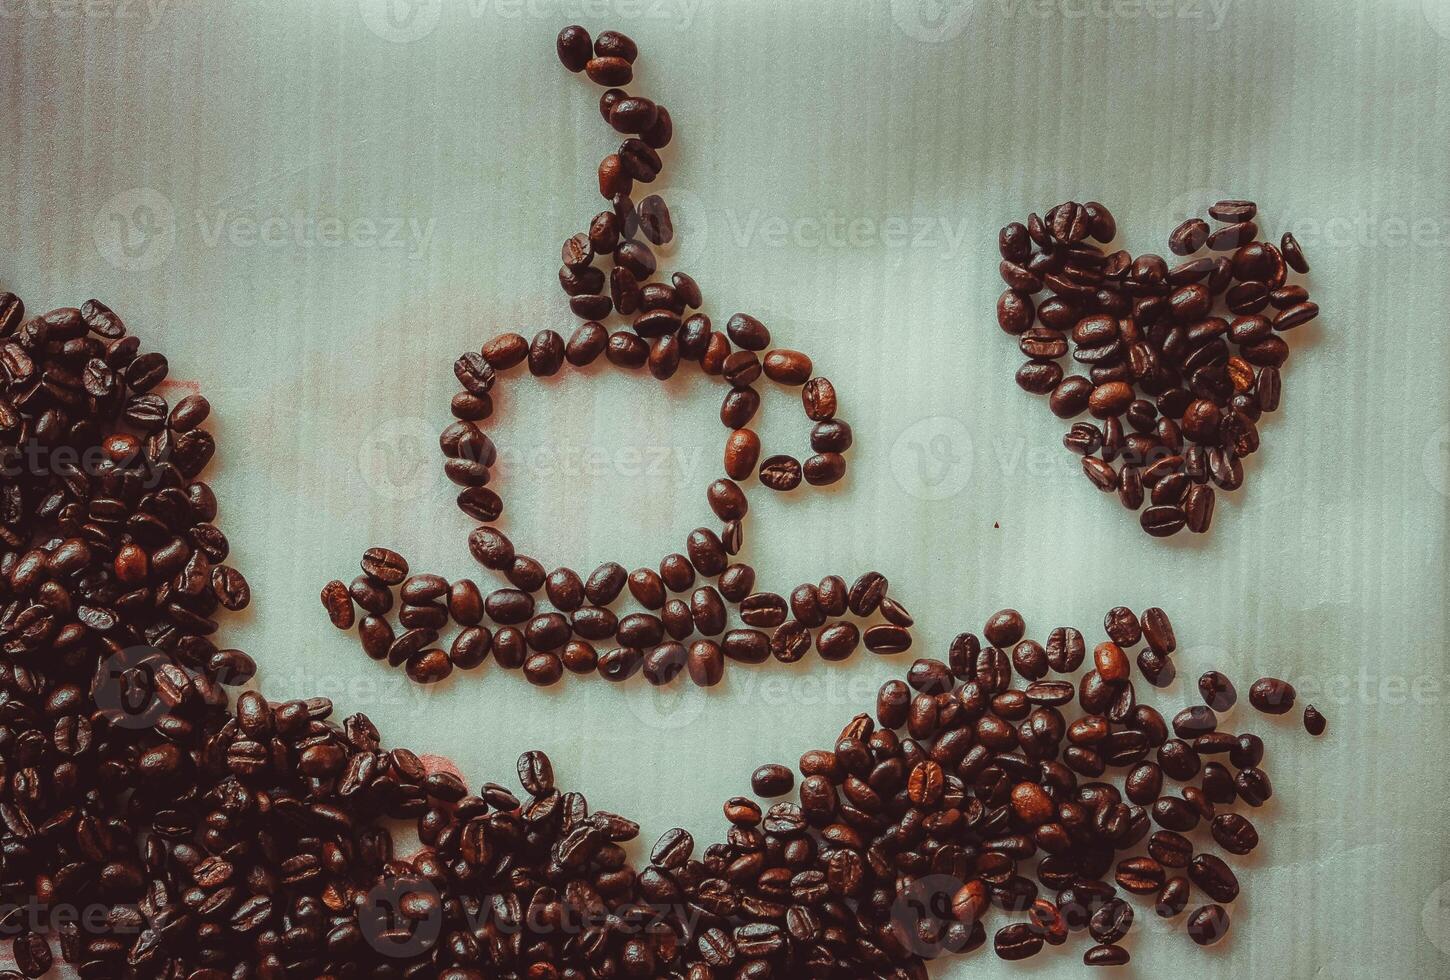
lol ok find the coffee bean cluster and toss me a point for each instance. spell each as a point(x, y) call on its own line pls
point(1181, 361)
point(683, 624)
point(112, 682)
point(683, 630)
point(969, 797)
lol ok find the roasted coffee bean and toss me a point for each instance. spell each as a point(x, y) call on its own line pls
point(1253, 786)
point(772, 780)
point(1017, 941)
point(1172, 897)
point(1170, 849)
point(1207, 925)
point(574, 48)
point(1272, 696)
point(781, 473)
point(1188, 237)
point(705, 662)
point(887, 639)
point(338, 603)
point(837, 641)
point(1314, 722)
point(1105, 954)
point(1234, 833)
point(1111, 922)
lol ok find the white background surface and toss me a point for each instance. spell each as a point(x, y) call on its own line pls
point(312, 209)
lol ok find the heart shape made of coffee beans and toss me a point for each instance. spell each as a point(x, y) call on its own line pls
point(1181, 361)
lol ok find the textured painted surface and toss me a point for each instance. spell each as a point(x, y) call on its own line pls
point(313, 208)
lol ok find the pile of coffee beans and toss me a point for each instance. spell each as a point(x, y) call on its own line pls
point(683, 624)
point(1175, 389)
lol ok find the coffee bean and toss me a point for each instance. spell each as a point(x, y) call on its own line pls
point(1314, 722)
point(1016, 942)
point(1105, 955)
point(1272, 696)
point(772, 780)
point(837, 641)
point(1207, 925)
point(338, 603)
point(780, 473)
point(887, 639)
point(574, 48)
point(1293, 255)
point(1234, 833)
point(1111, 922)
point(1188, 237)
point(1253, 786)
point(1172, 897)
point(747, 332)
point(705, 663)
point(1164, 521)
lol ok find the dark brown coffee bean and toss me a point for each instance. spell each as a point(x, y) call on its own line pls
point(1111, 922)
point(1272, 696)
point(1161, 522)
point(1234, 833)
point(1188, 237)
point(887, 639)
point(705, 663)
point(824, 469)
point(819, 398)
point(747, 332)
point(747, 646)
point(772, 780)
point(574, 48)
point(1172, 897)
point(837, 641)
point(1293, 255)
point(1140, 875)
point(781, 473)
point(1253, 786)
point(1106, 954)
point(338, 603)
point(1314, 721)
point(1017, 941)
point(1294, 316)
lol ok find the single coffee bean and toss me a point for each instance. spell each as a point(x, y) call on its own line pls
point(781, 473)
point(1292, 253)
point(1314, 722)
point(1111, 922)
point(1106, 954)
point(1017, 941)
point(1172, 897)
point(887, 639)
point(1188, 237)
point(748, 332)
point(705, 662)
point(1234, 833)
point(837, 641)
point(1253, 786)
point(574, 48)
point(338, 603)
point(1272, 696)
point(772, 780)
